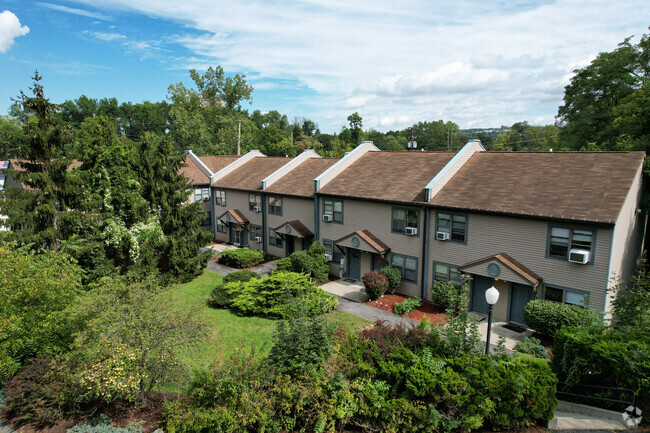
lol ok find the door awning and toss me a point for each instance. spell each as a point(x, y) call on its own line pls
point(294, 228)
point(233, 216)
point(365, 241)
point(503, 267)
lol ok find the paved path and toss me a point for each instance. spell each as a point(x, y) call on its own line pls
point(261, 270)
point(372, 313)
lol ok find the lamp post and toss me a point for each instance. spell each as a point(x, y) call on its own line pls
point(491, 296)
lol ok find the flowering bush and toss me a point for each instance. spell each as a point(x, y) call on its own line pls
point(376, 284)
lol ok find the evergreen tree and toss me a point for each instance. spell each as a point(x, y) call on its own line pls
point(167, 191)
point(50, 206)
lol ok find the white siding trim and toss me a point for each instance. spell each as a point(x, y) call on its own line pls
point(349, 159)
point(452, 167)
point(204, 168)
point(286, 168)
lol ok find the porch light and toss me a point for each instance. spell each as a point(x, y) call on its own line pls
point(491, 296)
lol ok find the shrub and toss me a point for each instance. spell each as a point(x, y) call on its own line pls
point(223, 293)
point(548, 317)
point(394, 278)
point(311, 262)
point(444, 294)
point(280, 295)
point(376, 284)
point(241, 258)
point(531, 346)
point(405, 307)
point(604, 357)
point(102, 424)
point(243, 276)
point(301, 345)
point(41, 393)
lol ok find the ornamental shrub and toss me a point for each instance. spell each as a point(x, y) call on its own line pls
point(280, 295)
point(604, 357)
point(301, 345)
point(531, 346)
point(241, 258)
point(376, 284)
point(311, 262)
point(394, 278)
point(223, 293)
point(548, 317)
point(405, 307)
point(444, 294)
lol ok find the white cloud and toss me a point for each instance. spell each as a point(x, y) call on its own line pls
point(75, 11)
point(108, 37)
point(10, 29)
point(473, 62)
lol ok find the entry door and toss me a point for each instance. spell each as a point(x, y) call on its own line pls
point(236, 235)
point(520, 295)
point(290, 242)
point(479, 286)
point(231, 233)
point(354, 264)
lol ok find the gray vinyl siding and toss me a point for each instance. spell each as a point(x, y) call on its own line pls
point(525, 240)
point(292, 209)
point(238, 200)
point(628, 239)
point(376, 217)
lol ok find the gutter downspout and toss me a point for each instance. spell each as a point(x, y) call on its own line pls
point(425, 252)
point(213, 221)
point(264, 231)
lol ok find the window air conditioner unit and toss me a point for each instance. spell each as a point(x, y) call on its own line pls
point(579, 256)
point(327, 217)
point(258, 239)
point(442, 236)
point(206, 198)
point(328, 256)
point(257, 209)
point(411, 231)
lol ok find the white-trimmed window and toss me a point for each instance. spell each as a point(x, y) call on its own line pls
point(454, 225)
point(331, 249)
point(565, 296)
point(220, 197)
point(275, 239)
point(443, 272)
point(201, 194)
point(333, 208)
point(207, 221)
point(408, 266)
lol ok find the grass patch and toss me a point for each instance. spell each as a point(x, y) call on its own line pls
point(227, 332)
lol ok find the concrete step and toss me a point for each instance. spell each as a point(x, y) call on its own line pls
point(570, 416)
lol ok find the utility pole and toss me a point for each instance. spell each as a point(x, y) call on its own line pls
point(239, 139)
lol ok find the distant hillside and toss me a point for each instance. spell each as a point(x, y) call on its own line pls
point(490, 132)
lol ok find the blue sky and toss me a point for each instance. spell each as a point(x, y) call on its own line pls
point(475, 63)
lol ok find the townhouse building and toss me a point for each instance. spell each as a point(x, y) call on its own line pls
point(562, 226)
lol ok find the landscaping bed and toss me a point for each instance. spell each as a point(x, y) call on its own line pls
point(434, 313)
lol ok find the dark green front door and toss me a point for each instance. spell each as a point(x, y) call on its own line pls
point(479, 286)
point(354, 264)
point(520, 295)
point(290, 245)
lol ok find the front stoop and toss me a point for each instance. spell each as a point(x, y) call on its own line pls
point(573, 416)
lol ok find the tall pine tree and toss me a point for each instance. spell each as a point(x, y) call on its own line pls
point(50, 206)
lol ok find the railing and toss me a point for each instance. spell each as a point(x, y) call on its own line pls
point(578, 388)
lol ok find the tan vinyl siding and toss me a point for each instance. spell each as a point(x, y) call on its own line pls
point(292, 209)
point(525, 240)
point(376, 218)
point(500, 309)
point(506, 274)
point(628, 239)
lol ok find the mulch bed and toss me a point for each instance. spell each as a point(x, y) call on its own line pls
point(434, 313)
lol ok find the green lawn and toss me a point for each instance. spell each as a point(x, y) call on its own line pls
point(228, 332)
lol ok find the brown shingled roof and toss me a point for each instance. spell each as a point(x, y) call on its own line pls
point(300, 228)
point(300, 182)
point(250, 175)
point(371, 239)
point(194, 173)
point(580, 186)
point(391, 176)
point(217, 162)
point(510, 263)
point(235, 214)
